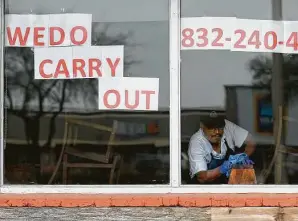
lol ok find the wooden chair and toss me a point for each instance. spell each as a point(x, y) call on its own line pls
point(105, 160)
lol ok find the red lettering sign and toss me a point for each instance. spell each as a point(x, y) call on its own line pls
point(113, 65)
point(17, 35)
point(48, 30)
point(20, 37)
point(41, 69)
point(128, 93)
point(80, 68)
point(106, 99)
point(148, 96)
point(52, 31)
point(116, 94)
point(136, 100)
point(38, 36)
point(73, 33)
point(78, 62)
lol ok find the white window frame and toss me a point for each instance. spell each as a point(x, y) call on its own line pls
point(2, 40)
point(175, 138)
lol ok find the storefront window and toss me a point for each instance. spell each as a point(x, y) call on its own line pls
point(232, 95)
point(86, 92)
point(88, 86)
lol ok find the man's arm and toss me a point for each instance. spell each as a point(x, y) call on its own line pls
point(198, 164)
point(241, 137)
point(208, 176)
point(250, 145)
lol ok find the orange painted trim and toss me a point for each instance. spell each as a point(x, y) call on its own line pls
point(155, 200)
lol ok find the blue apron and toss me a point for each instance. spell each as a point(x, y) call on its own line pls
point(214, 163)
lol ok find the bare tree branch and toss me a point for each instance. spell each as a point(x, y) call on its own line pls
point(261, 69)
point(34, 98)
point(52, 129)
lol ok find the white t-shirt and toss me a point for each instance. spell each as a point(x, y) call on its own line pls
point(200, 149)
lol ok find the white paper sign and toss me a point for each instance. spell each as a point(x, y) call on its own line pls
point(48, 30)
point(26, 30)
point(221, 30)
point(206, 33)
point(246, 35)
point(128, 93)
point(291, 37)
point(258, 36)
point(78, 62)
point(190, 39)
point(272, 37)
point(230, 33)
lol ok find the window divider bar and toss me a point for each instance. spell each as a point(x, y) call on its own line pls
point(2, 42)
point(175, 135)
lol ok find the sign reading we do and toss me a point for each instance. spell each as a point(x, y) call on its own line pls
point(62, 50)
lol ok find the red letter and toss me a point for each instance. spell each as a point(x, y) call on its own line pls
point(41, 68)
point(137, 100)
point(113, 66)
point(37, 36)
point(61, 69)
point(78, 66)
point(52, 35)
point(72, 35)
point(148, 93)
point(94, 64)
point(17, 35)
point(105, 99)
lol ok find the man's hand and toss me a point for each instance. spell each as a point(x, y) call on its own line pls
point(250, 145)
point(233, 160)
point(225, 167)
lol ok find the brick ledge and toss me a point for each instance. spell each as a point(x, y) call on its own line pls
point(155, 200)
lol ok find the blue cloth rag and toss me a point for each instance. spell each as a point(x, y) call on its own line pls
point(239, 159)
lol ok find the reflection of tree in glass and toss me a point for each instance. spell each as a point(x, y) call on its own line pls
point(261, 68)
point(31, 99)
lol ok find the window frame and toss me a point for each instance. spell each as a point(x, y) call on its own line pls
point(174, 185)
point(174, 51)
point(2, 42)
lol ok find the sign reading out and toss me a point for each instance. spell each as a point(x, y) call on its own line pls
point(128, 93)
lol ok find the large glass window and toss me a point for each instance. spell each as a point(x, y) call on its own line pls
point(87, 91)
point(238, 99)
point(56, 130)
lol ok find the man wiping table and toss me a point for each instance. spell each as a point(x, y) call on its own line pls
point(212, 149)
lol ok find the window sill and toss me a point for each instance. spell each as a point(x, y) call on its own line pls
point(148, 200)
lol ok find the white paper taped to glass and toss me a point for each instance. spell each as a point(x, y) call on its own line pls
point(234, 34)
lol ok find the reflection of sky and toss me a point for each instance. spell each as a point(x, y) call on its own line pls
point(203, 73)
point(101, 10)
